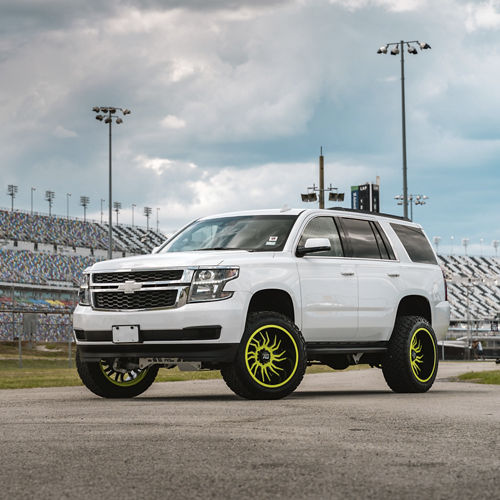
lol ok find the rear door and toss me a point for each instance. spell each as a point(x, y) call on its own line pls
point(378, 276)
point(329, 287)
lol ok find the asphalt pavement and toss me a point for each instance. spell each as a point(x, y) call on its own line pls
point(340, 435)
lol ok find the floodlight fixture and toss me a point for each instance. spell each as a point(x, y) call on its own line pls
point(112, 110)
point(338, 197)
point(119, 120)
point(126, 111)
point(382, 50)
point(309, 197)
point(412, 50)
point(99, 117)
point(395, 50)
point(424, 45)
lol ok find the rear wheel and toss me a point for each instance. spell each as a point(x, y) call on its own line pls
point(411, 362)
point(271, 359)
point(107, 380)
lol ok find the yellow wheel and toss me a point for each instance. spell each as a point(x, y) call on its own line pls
point(423, 355)
point(122, 378)
point(271, 360)
point(271, 356)
point(411, 362)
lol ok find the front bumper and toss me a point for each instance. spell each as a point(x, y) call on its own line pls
point(206, 353)
point(204, 331)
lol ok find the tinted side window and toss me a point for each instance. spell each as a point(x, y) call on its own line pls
point(415, 243)
point(323, 227)
point(361, 238)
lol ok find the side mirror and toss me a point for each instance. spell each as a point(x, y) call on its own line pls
point(314, 245)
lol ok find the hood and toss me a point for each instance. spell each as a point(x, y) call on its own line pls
point(172, 260)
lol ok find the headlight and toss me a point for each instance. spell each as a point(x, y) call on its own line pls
point(208, 284)
point(84, 293)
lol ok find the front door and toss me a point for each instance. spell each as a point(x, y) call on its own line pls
point(329, 287)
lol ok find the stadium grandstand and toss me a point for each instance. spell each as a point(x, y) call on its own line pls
point(473, 287)
point(42, 258)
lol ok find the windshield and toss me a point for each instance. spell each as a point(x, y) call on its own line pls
point(261, 233)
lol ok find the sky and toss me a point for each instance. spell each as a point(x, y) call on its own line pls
point(231, 101)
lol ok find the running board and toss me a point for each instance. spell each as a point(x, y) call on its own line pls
point(325, 348)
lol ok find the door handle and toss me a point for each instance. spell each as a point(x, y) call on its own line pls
point(347, 273)
point(393, 275)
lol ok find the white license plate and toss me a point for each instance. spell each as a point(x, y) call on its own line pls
point(125, 334)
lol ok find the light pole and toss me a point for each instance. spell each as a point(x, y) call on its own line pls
point(11, 191)
point(102, 201)
point(49, 196)
point(398, 48)
point(436, 241)
point(68, 196)
point(465, 243)
point(116, 207)
point(147, 213)
point(311, 195)
point(418, 198)
point(133, 206)
point(157, 219)
point(32, 189)
point(108, 116)
point(84, 202)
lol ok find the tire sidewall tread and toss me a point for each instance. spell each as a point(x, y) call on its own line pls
point(396, 367)
point(236, 375)
point(92, 377)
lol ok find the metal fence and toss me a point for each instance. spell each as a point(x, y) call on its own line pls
point(17, 325)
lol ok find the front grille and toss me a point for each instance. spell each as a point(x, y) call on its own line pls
point(139, 276)
point(147, 299)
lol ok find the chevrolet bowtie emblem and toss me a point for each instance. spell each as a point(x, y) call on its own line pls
point(130, 286)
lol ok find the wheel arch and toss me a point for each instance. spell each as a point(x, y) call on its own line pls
point(415, 305)
point(272, 299)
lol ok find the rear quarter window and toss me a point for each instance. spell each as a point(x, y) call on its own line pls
point(415, 243)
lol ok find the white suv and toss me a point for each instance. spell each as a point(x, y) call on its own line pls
point(260, 295)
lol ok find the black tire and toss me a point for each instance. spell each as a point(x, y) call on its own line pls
point(411, 361)
point(100, 378)
point(271, 360)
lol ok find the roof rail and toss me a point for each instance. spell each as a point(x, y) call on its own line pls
point(367, 212)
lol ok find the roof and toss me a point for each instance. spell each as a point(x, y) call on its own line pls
point(297, 211)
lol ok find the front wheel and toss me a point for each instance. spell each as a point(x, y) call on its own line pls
point(271, 359)
point(108, 381)
point(411, 361)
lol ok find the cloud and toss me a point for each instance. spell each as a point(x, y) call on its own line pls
point(171, 121)
point(483, 15)
point(391, 5)
point(222, 91)
point(64, 133)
